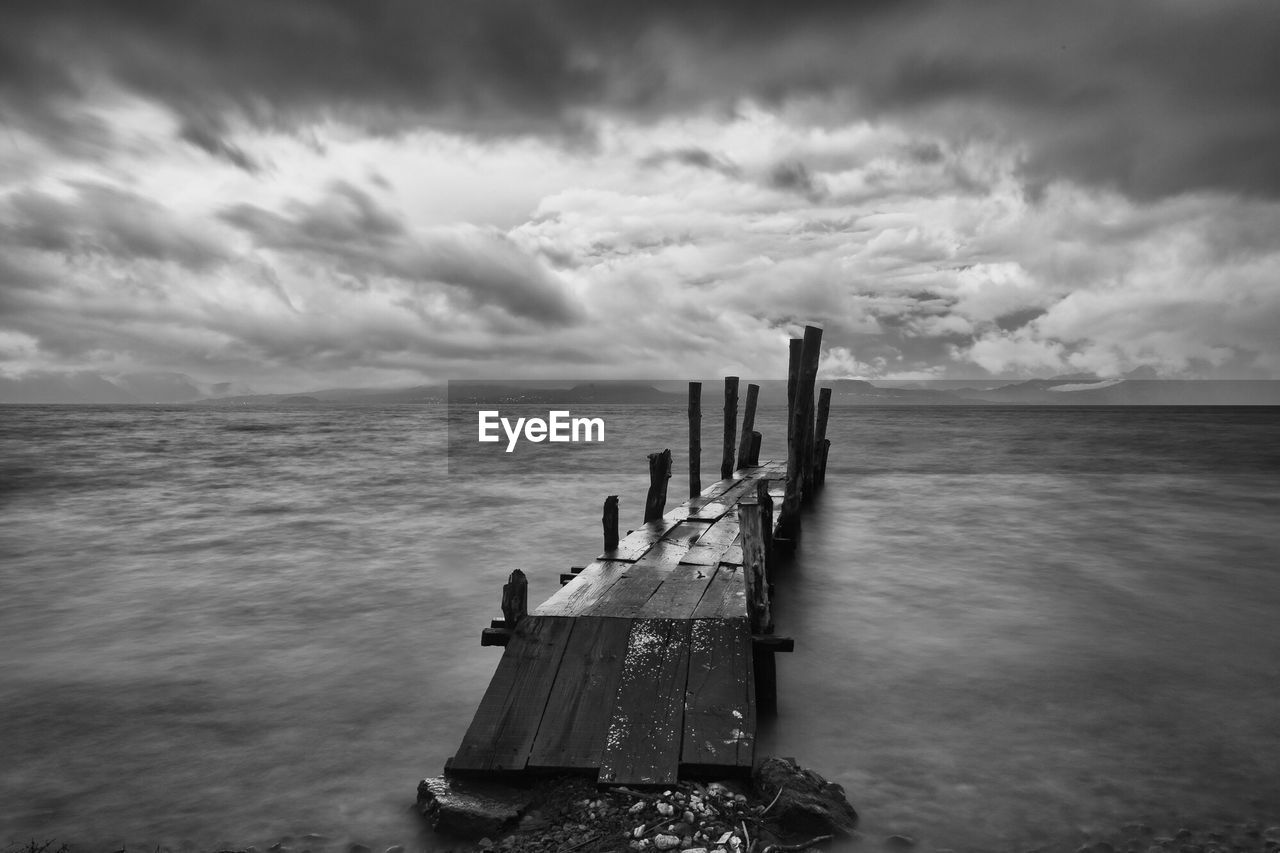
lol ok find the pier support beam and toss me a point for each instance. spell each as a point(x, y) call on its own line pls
point(730, 426)
point(754, 458)
point(765, 500)
point(800, 432)
point(659, 472)
point(515, 598)
point(819, 438)
point(609, 520)
point(755, 570)
point(748, 426)
point(794, 347)
point(695, 439)
point(766, 670)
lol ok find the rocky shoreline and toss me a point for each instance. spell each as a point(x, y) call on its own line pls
point(782, 809)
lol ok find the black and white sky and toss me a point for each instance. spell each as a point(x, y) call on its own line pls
point(318, 193)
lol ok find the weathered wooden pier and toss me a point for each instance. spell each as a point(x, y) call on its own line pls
point(654, 662)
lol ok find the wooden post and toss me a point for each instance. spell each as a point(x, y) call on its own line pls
point(793, 376)
point(659, 472)
point(801, 418)
point(748, 426)
point(766, 670)
point(755, 565)
point(806, 461)
point(755, 448)
point(822, 470)
point(695, 439)
point(610, 522)
point(730, 426)
point(765, 500)
point(515, 598)
point(820, 434)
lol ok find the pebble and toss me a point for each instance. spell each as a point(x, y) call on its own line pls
point(637, 808)
point(666, 842)
point(666, 809)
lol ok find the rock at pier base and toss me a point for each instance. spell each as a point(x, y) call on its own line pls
point(807, 803)
point(470, 810)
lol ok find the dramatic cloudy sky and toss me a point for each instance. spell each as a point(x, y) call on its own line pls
point(323, 193)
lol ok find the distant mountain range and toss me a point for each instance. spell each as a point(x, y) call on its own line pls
point(1139, 388)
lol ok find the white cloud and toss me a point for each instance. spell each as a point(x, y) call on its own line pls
point(668, 247)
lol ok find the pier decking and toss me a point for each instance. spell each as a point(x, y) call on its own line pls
point(640, 668)
point(652, 662)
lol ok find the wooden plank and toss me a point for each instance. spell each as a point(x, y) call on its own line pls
point(713, 545)
point(724, 532)
point(664, 556)
point(679, 594)
point(646, 730)
point(627, 598)
point(688, 530)
point(635, 543)
point(581, 701)
point(677, 514)
point(709, 554)
point(725, 596)
point(713, 491)
point(725, 501)
point(502, 731)
point(719, 714)
point(591, 584)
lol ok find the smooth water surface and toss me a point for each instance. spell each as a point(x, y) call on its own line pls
point(223, 626)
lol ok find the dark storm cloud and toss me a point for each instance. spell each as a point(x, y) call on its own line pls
point(348, 227)
point(1151, 97)
point(698, 158)
point(101, 220)
point(209, 136)
point(793, 176)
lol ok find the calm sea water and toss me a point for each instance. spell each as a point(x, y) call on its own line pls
point(222, 627)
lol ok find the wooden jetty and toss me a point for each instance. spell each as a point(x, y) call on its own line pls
point(654, 662)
